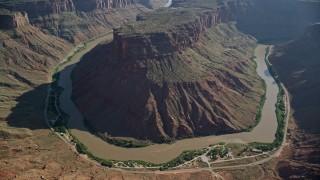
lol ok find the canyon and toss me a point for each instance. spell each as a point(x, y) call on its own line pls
point(170, 74)
point(27, 45)
point(163, 83)
point(73, 20)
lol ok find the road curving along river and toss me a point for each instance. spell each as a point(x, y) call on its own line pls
point(159, 153)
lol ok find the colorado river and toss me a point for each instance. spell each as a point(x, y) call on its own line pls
point(159, 153)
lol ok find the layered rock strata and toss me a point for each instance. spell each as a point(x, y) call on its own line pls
point(14, 20)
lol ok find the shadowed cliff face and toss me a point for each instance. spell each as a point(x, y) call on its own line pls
point(298, 66)
point(170, 82)
point(276, 21)
point(13, 20)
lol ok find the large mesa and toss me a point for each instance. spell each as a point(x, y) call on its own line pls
point(174, 73)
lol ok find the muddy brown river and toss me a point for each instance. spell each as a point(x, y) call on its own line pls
point(159, 153)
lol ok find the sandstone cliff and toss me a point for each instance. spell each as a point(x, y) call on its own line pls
point(163, 82)
point(59, 6)
point(14, 20)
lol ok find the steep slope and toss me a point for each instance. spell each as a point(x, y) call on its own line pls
point(297, 63)
point(169, 82)
point(27, 56)
point(30, 45)
point(298, 66)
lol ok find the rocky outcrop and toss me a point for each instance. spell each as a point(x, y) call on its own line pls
point(14, 20)
point(59, 6)
point(20, 19)
point(101, 4)
point(163, 80)
point(212, 18)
